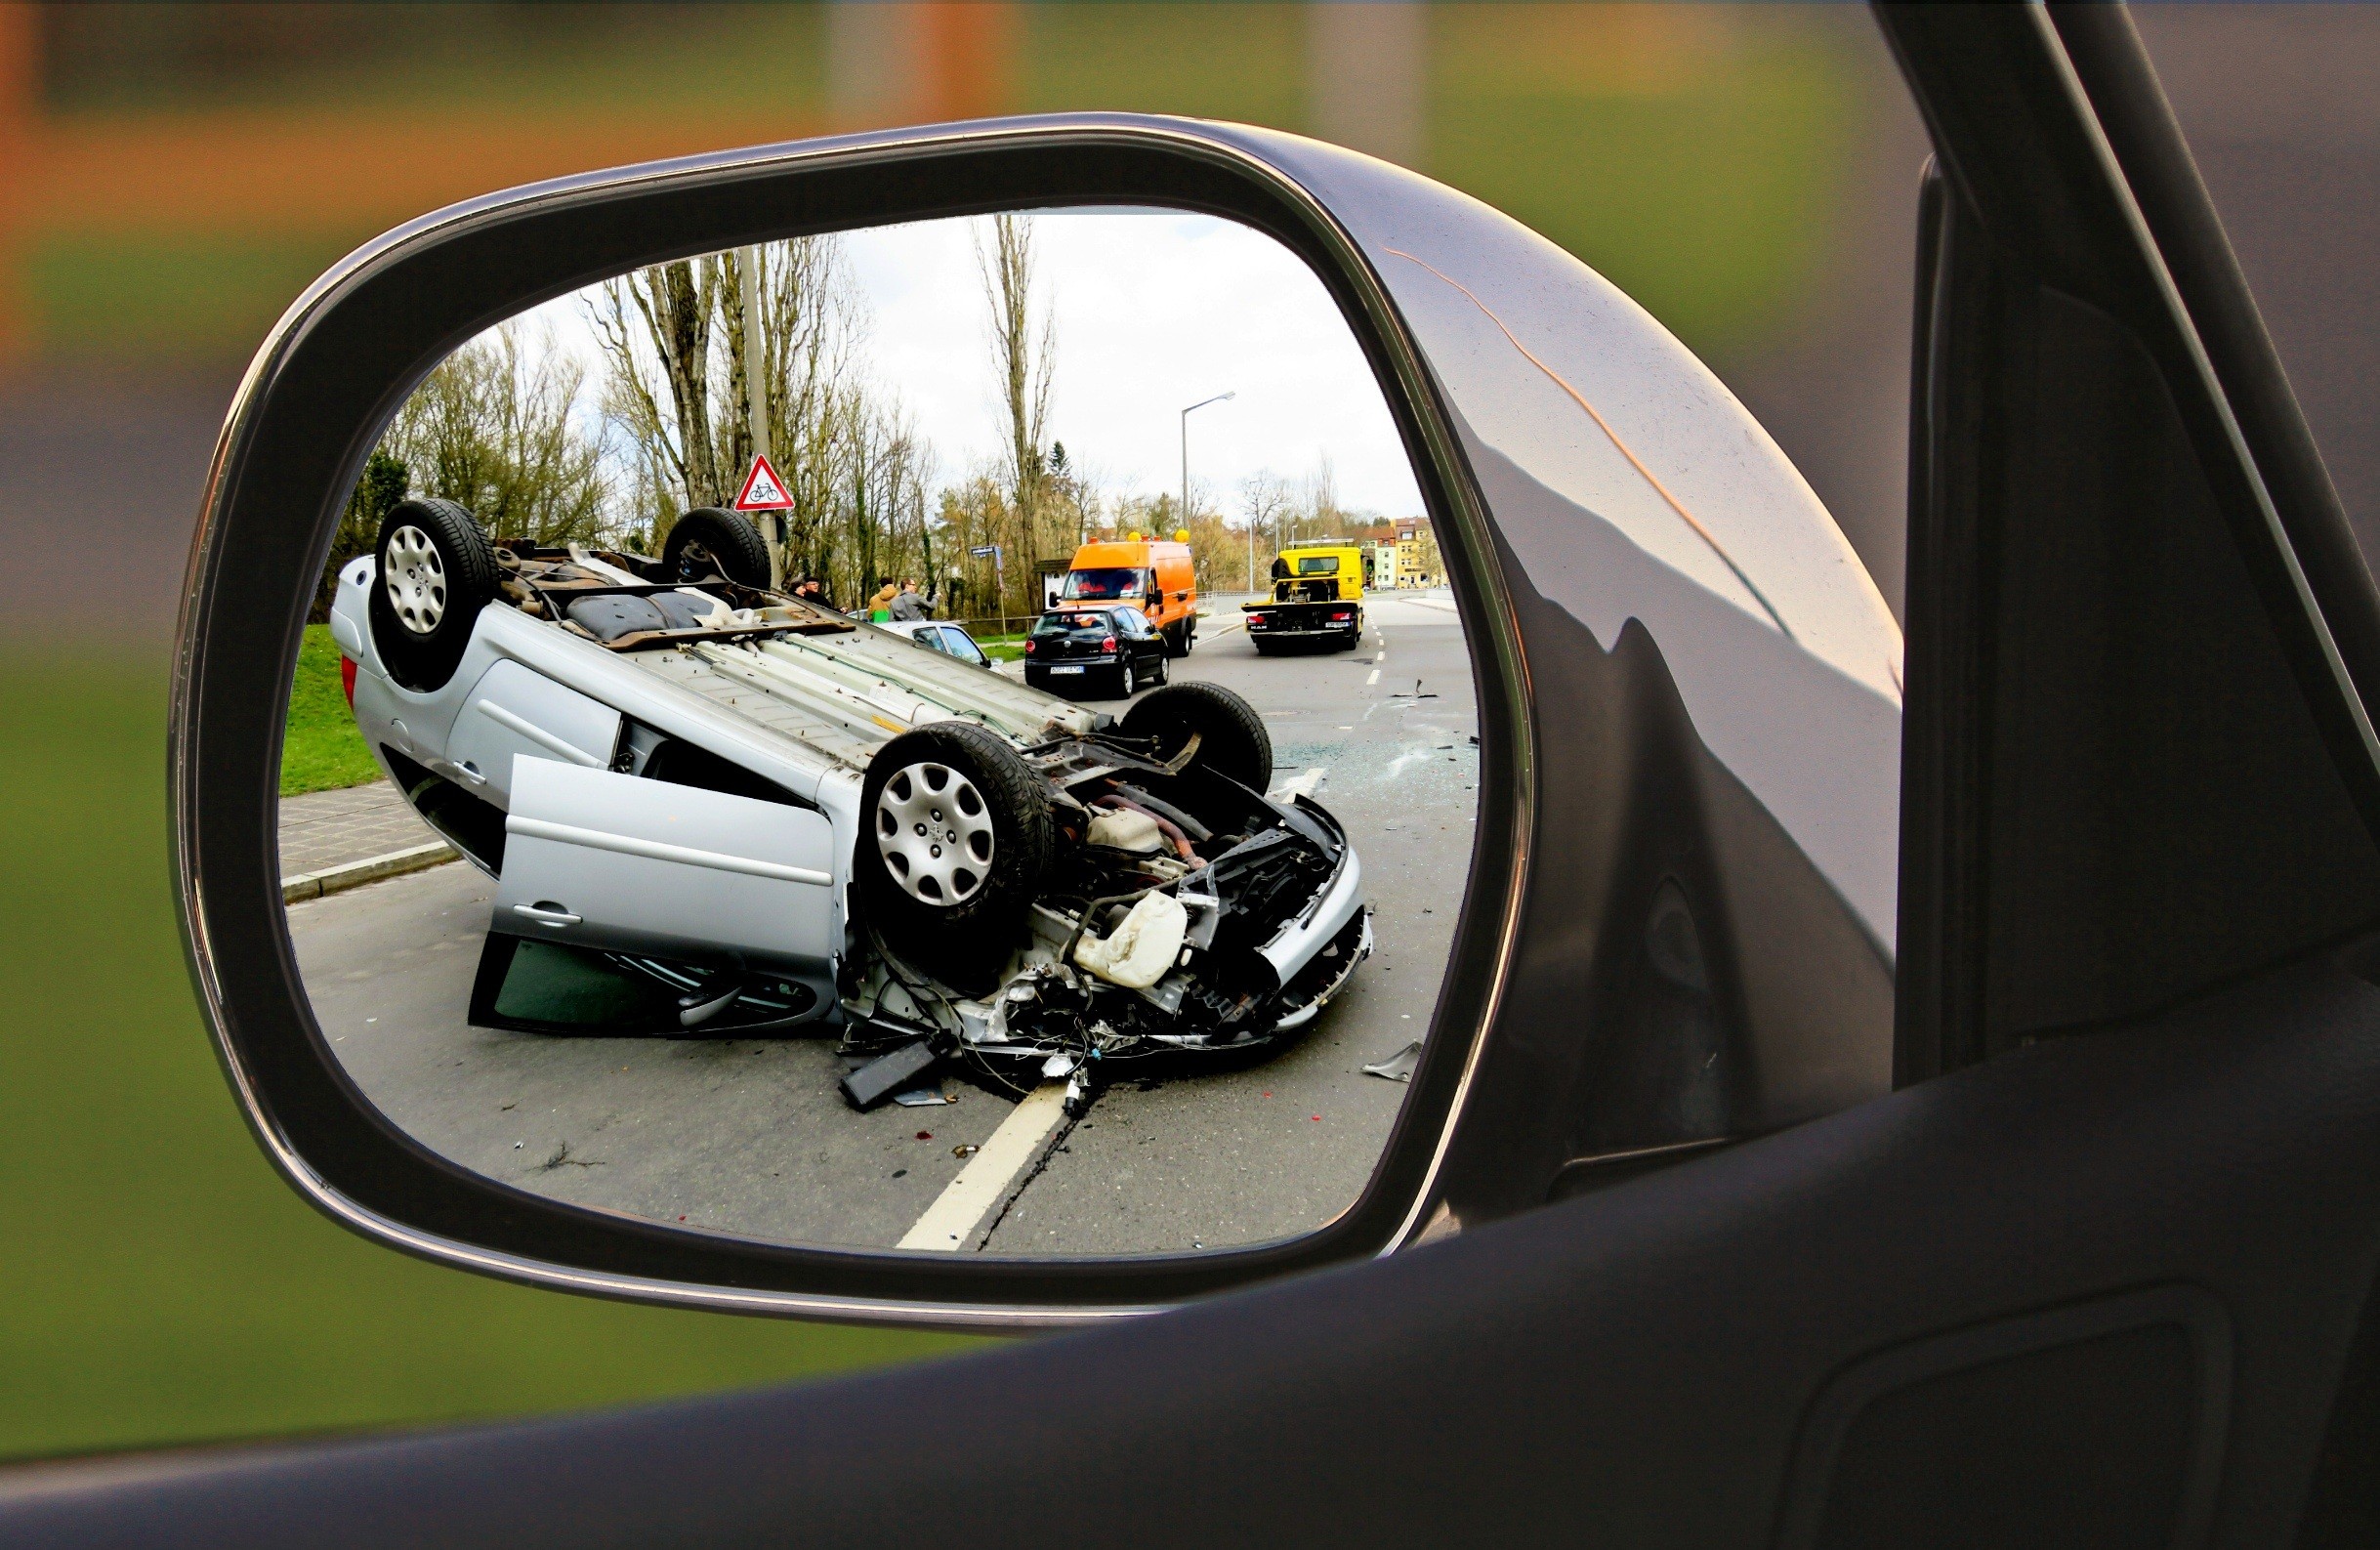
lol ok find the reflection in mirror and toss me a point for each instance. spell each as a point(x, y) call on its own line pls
point(951, 737)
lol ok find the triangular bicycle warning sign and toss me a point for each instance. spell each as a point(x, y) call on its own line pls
point(763, 489)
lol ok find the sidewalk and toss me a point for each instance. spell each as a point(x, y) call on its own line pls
point(326, 837)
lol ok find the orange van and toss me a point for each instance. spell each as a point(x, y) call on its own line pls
point(1153, 574)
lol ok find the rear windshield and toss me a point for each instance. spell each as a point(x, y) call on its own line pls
point(1081, 626)
point(1317, 564)
point(1106, 584)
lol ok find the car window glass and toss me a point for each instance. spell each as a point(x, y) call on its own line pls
point(740, 915)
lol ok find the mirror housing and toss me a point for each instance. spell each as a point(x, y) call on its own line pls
point(1677, 929)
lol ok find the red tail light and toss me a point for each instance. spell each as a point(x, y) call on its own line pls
point(1107, 645)
point(1028, 648)
point(347, 679)
point(1340, 619)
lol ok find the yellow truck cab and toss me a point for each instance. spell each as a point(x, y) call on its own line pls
point(1318, 599)
point(1154, 575)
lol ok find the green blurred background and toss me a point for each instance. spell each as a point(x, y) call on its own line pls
point(176, 174)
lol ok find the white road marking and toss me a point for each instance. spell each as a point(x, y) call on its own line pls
point(1374, 679)
point(1381, 657)
point(1305, 784)
point(985, 1183)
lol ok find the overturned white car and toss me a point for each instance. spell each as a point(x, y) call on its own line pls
point(712, 808)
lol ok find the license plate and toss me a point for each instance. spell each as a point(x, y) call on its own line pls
point(1065, 669)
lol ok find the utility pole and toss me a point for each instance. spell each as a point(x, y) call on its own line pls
point(1186, 414)
point(756, 399)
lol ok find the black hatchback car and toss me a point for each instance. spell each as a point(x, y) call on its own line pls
point(1094, 653)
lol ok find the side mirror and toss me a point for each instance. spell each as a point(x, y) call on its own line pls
point(1273, 966)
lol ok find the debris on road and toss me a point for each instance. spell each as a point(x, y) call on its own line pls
point(887, 1073)
point(1397, 1067)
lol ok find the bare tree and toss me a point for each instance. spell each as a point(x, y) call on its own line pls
point(1265, 498)
point(1317, 513)
point(1023, 356)
point(675, 395)
point(656, 326)
point(491, 427)
point(812, 324)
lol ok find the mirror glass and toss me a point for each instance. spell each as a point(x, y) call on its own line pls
point(951, 737)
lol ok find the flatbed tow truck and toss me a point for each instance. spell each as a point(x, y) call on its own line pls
point(1316, 602)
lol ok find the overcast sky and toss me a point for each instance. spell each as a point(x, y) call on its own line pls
point(1156, 310)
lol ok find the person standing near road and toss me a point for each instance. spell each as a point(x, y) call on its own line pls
point(908, 607)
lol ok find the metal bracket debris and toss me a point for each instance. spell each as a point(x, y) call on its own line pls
point(1397, 1067)
point(880, 1078)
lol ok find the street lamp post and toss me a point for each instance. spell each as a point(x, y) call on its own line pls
point(1186, 414)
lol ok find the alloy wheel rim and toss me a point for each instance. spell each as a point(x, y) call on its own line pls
point(934, 831)
point(416, 580)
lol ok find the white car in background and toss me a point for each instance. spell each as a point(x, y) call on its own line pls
point(939, 635)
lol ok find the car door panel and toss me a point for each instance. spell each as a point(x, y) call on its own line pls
point(597, 859)
point(515, 710)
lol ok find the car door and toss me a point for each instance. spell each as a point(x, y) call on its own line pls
point(614, 862)
point(1137, 640)
point(515, 712)
point(957, 643)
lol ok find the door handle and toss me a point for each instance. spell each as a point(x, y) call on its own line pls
point(471, 772)
point(545, 913)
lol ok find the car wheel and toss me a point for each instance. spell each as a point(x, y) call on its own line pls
point(1262, 648)
point(434, 572)
point(1164, 674)
point(1232, 736)
point(708, 542)
point(957, 834)
point(1176, 640)
point(1125, 682)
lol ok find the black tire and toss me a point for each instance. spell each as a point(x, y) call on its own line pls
point(1262, 648)
point(446, 570)
point(1177, 640)
point(709, 542)
point(1125, 680)
point(1165, 674)
point(993, 907)
point(1232, 736)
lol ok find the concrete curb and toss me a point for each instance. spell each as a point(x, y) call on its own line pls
point(371, 869)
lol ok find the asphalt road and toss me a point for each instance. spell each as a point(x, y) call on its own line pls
point(749, 1137)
